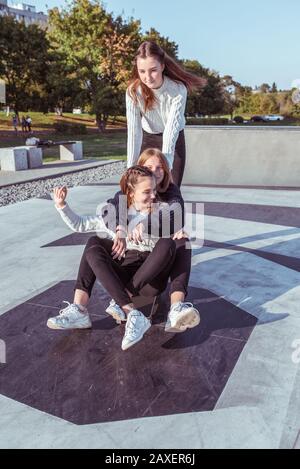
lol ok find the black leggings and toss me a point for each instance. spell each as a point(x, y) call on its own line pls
point(141, 273)
point(156, 141)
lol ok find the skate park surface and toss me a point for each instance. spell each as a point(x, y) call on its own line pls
point(231, 382)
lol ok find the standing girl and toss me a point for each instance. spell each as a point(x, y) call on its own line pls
point(155, 105)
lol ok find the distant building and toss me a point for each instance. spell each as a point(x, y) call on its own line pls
point(24, 12)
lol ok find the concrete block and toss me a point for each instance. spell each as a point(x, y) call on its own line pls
point(35, 157)
point(241, 156)
point(71, 151)
point(13, 159)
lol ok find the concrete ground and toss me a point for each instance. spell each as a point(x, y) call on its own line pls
point(232, 382)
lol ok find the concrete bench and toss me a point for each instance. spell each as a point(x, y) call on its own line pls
point(34, 157)
point(31, 156)
point(70, 151)
point(13, 159)
point(20, 158)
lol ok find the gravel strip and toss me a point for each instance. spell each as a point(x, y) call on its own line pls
point(42, 187)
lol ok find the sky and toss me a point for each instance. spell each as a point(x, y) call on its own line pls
point(255, 41)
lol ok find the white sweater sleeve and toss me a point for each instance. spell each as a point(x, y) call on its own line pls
point(134, 131)
point(175, 119)
point(83, 224)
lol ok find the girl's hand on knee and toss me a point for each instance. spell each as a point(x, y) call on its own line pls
point(180, 234)
point(136, 234)
point(119, 247)
point(59, 196)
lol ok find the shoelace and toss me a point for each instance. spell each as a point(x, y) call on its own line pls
point(181, 306)
point(130, 325)
point(64, 312)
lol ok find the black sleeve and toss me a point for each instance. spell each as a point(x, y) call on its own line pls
point(171, 196)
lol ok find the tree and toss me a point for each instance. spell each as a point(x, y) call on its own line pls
point(63, 87)
point(24, 62)
point(210, 99)
point(274, 88)
point(268, 104)
point(264, 88)
point(230, 94)
point(170, 47)
point(100, 48)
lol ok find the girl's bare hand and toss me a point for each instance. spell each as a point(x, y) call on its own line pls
point(180, 234)
point(136, 234)
point(119, 246)
point(59, 196)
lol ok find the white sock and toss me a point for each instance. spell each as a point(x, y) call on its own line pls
point(81, 307)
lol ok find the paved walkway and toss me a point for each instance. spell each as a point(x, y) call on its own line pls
point(232, 382)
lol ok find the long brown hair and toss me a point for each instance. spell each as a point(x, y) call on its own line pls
point(148, 153)
point(130, 178)
point(172, 70)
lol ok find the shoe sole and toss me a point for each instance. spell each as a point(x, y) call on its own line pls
point(54, 326)
point(115, 315)
point(187, 321)
point(137, 340)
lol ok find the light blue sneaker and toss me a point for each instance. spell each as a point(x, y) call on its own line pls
point(71, 317)
point(136, 326)
point(116, 312)
point(181, 317)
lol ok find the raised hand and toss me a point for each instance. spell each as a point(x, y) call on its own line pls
point(59, 196)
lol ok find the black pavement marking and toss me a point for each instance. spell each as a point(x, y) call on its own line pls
point(84, 377)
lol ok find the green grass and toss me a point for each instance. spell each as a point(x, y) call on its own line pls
point(45, 121)
point(109, 145)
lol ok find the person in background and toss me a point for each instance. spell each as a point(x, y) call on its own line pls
point(29, 123)
point(24, 124)
point(15, 123)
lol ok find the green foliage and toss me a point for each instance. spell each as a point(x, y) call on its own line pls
point(24, 61)
point(84, 59)
point(100, 48)
point(274, 88)
point(210, 100)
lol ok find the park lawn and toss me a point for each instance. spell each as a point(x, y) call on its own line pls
point(42, 121)
point(107, 145)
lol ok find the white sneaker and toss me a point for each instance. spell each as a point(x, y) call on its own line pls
point(136, 326)
point(71, 317)
point(116, 312)
point(182, 316)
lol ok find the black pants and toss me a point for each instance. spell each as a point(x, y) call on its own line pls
point(141, 273)
point(181, 268)
point(156, 141)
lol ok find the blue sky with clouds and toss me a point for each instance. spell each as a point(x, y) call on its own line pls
point(255, 41)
